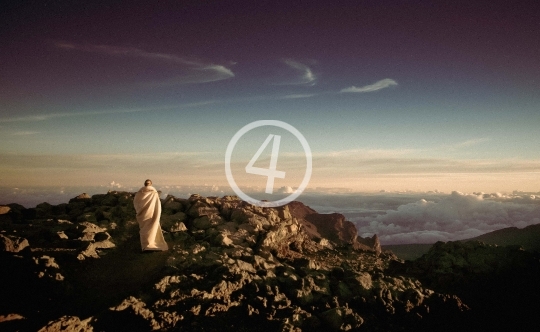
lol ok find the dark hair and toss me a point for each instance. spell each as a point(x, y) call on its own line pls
point(147, 182)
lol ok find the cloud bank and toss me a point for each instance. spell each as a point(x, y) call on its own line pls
point(286, 190)
point(453, 217)
point(379, 85)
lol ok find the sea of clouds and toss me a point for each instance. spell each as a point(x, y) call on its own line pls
point(396, 217)
point(401, 218)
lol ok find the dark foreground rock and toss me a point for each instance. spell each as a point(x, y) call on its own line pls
point(499, 284)
point(231, 267)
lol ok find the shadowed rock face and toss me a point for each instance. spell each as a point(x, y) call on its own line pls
point(232, 266)
point(498, 283)
point(333, 227)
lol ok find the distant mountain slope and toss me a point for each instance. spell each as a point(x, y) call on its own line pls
point(410, 251)
point(528, 238)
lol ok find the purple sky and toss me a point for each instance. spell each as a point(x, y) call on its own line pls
point(390, 95)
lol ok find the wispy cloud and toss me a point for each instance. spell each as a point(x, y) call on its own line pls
point(32, 118)
point(44, 117)
point(414, 162)
point(298, 96)
point(469, 143)
point(412, 153)
point(382, 84)
point(25, 133)
point(368, 153)
point(200, 72)
point(306, 75)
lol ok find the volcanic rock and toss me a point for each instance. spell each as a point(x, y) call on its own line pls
point(12, 243)
point(231, 266)
point(68, 323)
point(80, 198)
point(4, 209)
point(496, 282)
point(333, 227)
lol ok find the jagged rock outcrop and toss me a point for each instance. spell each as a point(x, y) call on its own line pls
point(231, 266)
point(333, 227)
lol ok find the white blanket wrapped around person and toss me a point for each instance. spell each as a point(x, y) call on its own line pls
point(148, 208)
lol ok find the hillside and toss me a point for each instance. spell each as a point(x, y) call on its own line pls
point(528, 238)
point(408, 251)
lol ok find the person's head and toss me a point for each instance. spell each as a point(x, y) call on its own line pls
point(148, 183)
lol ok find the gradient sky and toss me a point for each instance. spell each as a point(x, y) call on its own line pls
point(393, 95)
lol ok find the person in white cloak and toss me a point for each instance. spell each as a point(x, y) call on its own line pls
point(148, 208)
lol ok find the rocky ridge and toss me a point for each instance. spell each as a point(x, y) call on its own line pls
point(231, 266)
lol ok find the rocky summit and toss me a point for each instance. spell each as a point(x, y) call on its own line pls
point(231, 266)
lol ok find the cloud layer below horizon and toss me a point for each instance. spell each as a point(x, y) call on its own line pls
point(456, 216)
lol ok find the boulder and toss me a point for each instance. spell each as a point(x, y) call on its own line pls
point(205, 221)
point(15, 213)
point(341, 319)
point(48, 268)
point(85, 231)
point(125, 199)
point(299, 210)
point(109, 200)
point(60, 209)
point(84, 197)
point(168, 222)
point(172, 205)
point(4, 209)
point(10, 317)
point(178, 227)
point(96, 199)
point(89, 251)
point(87, 217)
point(201, 208)
point(6, 214)
point(370, 243)
point(223, 240)
point(130, 315)
point(11, 243)
point(334, 227)
point(284, 212)
point(44, 210)
point(68, 324)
